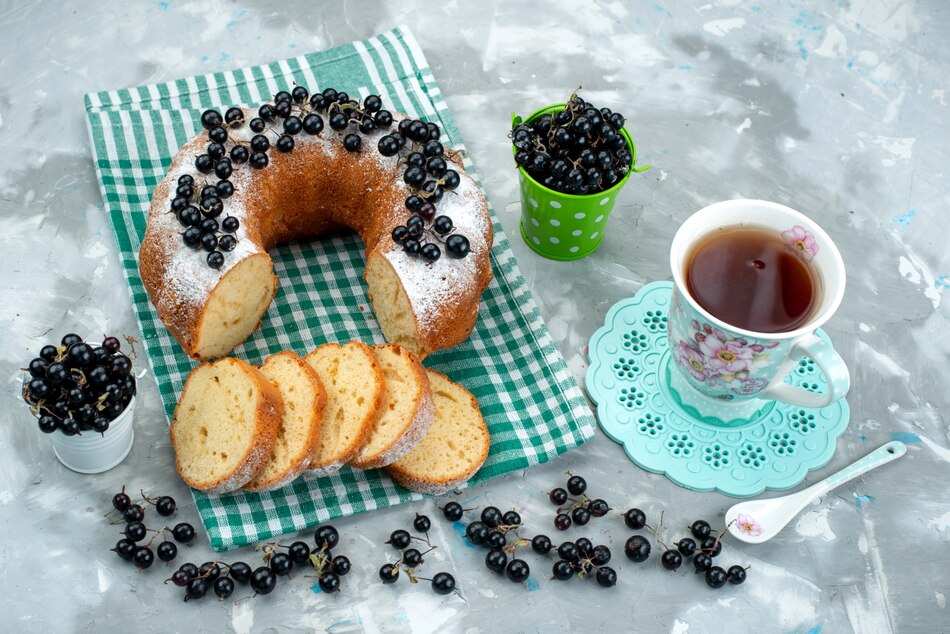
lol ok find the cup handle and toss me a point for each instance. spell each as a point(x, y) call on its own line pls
point(829, 362)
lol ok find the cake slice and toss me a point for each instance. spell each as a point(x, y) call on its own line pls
point(455, 447)
point(406, 412)
point(299, 430)
point(354, 385)
point(224, 425)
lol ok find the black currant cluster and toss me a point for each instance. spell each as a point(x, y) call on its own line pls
point(329, 568)
point(410, 559)
point(576, 150)
point(428, 176)
point(580, 557)
point(220, 577)
point(131, 547)
point(76, 387)
point(703, 547)
point(199, 205)
point(491, 530)
point(581, 508)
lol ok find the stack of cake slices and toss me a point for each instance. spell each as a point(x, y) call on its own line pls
point(237, 426)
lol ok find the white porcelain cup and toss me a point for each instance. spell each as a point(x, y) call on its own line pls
point(730, 364)
point(94, 453)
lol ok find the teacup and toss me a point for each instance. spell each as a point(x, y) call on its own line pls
point(718, 363)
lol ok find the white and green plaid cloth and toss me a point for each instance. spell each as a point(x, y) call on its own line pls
point(531, 402)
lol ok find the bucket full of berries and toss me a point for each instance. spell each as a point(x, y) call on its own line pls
point(573, 159)
point(83, 396)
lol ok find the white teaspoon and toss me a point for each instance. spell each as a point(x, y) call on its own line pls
point(757, 521)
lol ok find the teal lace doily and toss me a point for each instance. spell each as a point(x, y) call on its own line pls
point(629, 381)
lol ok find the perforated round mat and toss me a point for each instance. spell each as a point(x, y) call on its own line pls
point(630, 378)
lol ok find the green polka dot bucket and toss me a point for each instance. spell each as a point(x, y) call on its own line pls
point(564, 226)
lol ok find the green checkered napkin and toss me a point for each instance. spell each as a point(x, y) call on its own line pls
point(531, 402)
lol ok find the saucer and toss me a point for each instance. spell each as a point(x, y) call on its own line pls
point(642, 405)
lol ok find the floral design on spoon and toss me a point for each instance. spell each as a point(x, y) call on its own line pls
point(748, 525)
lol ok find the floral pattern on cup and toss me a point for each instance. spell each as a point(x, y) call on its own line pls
point(802, 241)
point(719, 363)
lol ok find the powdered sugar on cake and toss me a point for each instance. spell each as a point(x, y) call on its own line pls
point(434, 287)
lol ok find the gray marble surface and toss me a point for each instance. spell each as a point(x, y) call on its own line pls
point(838, 109)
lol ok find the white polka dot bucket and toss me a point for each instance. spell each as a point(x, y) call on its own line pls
point(563, 226)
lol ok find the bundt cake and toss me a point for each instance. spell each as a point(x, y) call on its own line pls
point(256, 179)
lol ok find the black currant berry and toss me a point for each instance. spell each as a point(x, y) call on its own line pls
point(299, 94)
point(240, 572)
point(457, 246)
point(215, 259)
point(166, 551)
point(258, 160)
point(326, 536)
point(211, 119)
point(313, 123)
point(700, 529)
point(702, 562)
point(606, 577)
point(635, 519)
point(329, 582)
point(352, 142)
point(562, 570)
point(600, 555)
point(736, 575)
point(671, 559)
point(558, 496)
point(143, 557)
point(580, 516)
point(496, 560)
point(341, 565)
point(422, 523)
point(452, 511)
point(204, 163)
point(125, 548)
point(477, 533)
point(411, 247)
point(263, 580)
point(518, 570)
point(197, 589)
point(562, 521)
point(711, 546)
point(443, 583)
point(412, 557)
point(293, 125)
point(223, 587)
point(388, 145)
point(285, 143)
point(491, 516)
point(716, 577)
point(541, 544)
point(598, 508)
point(399, 539)
point(281, 564)
point(234, 116)
point(389, 573)
point(511, 518)
point(183, 532)
point(637, 549)
point(686, 546)
point(135, 531)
